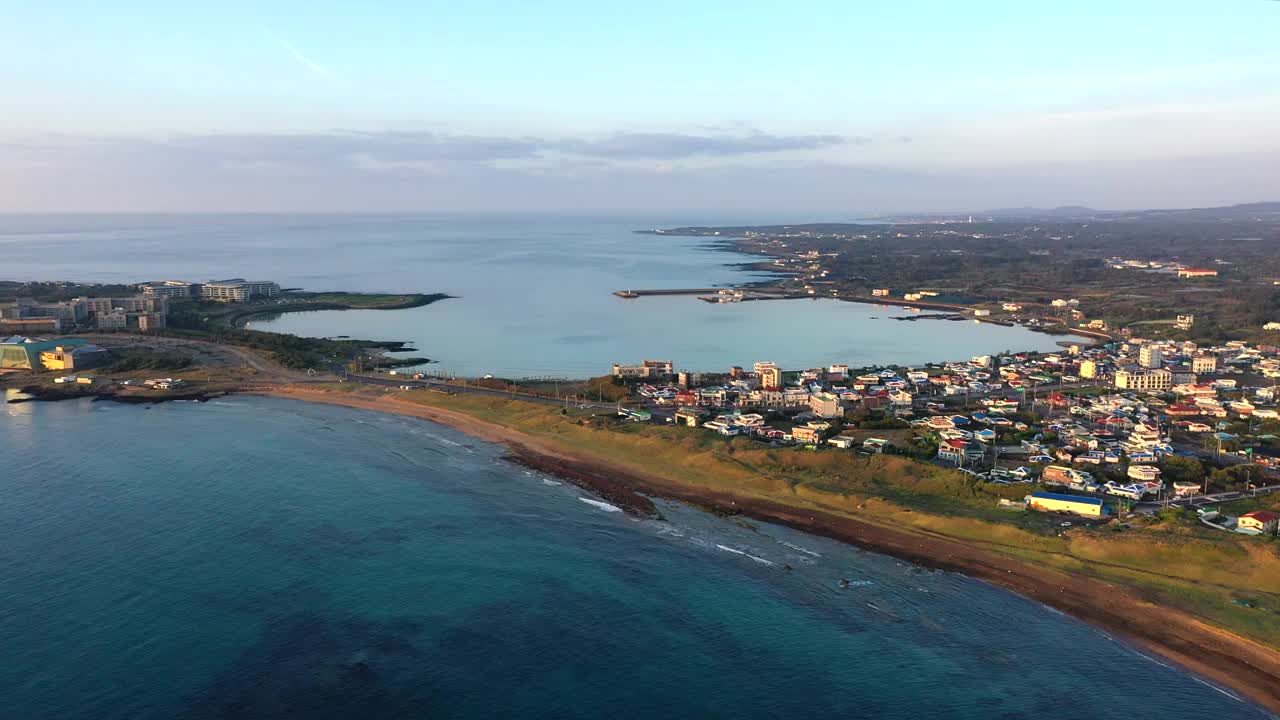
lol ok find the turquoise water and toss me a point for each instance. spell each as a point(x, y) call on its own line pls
point(253, 558)
point(534, 294)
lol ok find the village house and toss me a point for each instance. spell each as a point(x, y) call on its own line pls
point(1262, 522)
point(807, 435)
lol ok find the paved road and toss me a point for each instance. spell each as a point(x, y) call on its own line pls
point(1211, 499)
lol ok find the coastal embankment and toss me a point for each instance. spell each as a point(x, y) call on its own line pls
point(1233, 661)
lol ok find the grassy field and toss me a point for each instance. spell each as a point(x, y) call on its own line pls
point(1172, 559)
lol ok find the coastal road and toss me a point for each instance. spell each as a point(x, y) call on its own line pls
point(1199, 501)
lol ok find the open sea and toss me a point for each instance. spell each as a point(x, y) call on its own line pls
point(533, 293)
point(255, 558)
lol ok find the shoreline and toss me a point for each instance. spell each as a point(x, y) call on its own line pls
point(1232, 661)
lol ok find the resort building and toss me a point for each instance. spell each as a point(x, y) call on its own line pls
point(238, 290)
point(170, 289)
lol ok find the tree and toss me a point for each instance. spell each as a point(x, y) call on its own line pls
point(1236, 477)
point(1183, 469)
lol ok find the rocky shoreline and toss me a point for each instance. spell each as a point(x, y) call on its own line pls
point(45, 393)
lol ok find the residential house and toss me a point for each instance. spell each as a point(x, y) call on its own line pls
point(1263, 522)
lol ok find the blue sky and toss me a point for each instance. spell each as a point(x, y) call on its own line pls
point(850, 106)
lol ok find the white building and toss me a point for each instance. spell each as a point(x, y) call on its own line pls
point(825, 405)
point(1150, 357)
point(1144, 380)
point(238, 290)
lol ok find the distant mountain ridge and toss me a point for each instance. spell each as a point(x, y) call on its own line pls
point(1243, 211)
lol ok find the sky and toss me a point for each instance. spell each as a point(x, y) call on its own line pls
point(849, 107)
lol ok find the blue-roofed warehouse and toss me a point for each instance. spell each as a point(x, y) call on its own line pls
point(1075, 504)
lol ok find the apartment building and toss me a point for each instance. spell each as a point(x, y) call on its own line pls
point(1144, 380)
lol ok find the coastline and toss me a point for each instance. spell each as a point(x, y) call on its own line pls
point(1232, 661)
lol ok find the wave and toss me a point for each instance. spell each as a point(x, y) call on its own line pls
point(736, 551)
point(1231, 695)
point(601, 504)
point(797, 548)
point(546, 481)
point(445, 440)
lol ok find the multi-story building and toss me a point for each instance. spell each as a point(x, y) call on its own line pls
point(69, 312)
point(1090, 369)
point(30, 325)
point(1204, 364)
point(171, 289)
point(238, 290)
point(121, 319)
point(647, 369)
point(793, 398)
point(770, 375)
point(825, 405)
point(1144, 380)
point(1150, 357)
point(134, 304)
point(811, 436)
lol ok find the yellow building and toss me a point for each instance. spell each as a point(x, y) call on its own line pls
point(806, 435)
point(1088, 369)
point(770, 375)
point(1259, 521)
point(72, 357)
point(1056, 502)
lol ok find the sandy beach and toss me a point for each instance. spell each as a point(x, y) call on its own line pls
point(1248, 668)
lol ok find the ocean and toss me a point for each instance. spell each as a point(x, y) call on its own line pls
point(533, 293)
point(258, 558)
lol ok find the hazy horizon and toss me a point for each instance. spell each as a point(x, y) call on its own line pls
point(571, 107)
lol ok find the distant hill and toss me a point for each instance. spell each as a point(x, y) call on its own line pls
point(1245, 211)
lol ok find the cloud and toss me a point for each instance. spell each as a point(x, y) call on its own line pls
point(670, 146)
point(410, 150)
